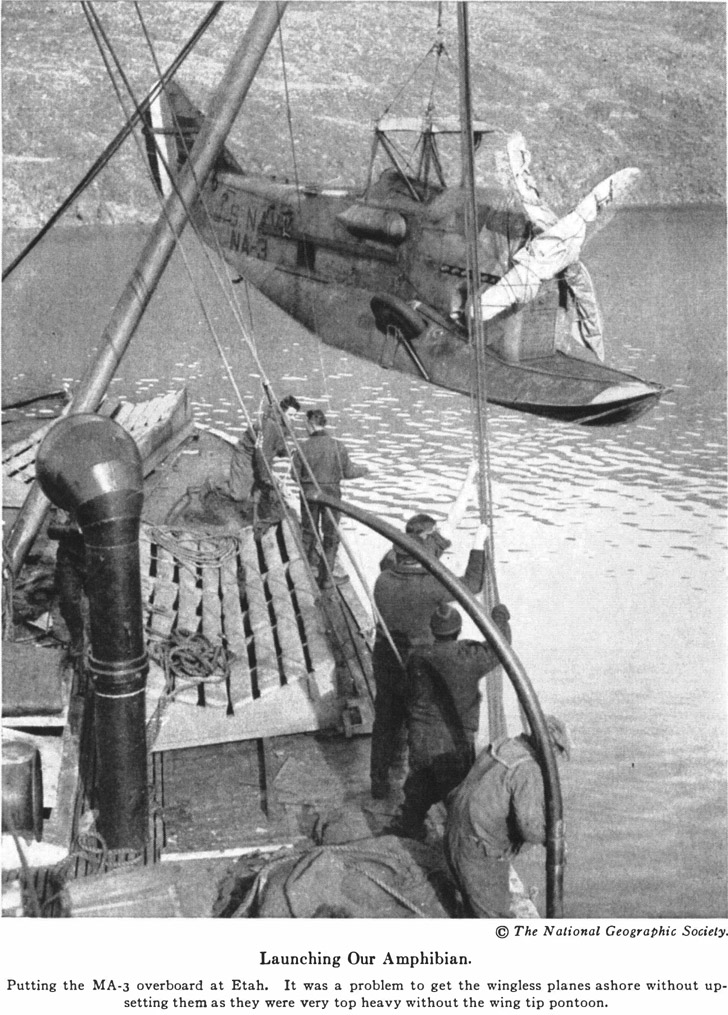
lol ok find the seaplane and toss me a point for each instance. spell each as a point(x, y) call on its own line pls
point(382, 271)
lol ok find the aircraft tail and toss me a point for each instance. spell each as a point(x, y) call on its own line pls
point(171, 128)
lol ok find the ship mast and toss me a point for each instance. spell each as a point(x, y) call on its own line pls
point(153, 260)
point(555, 850)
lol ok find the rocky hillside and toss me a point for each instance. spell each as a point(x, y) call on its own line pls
point(592, 86)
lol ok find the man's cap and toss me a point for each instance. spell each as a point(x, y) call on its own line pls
point(445, 621)
point(559, 735)
point(424, 526)
point(419, 524)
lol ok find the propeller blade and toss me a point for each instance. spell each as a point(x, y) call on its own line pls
point(519, 159)
point(548, 253)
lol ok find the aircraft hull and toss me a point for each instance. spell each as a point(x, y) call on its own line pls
point(556, 385)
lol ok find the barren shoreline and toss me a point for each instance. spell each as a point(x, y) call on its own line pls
point(592, 86)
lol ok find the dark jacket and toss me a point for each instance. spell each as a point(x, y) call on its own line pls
point(443, 686)
point(434, 541)
point(328, 460)
point(407, 596)
point(255, 452)
point(268, 435)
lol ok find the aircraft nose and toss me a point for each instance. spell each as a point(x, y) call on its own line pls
point(627, 392)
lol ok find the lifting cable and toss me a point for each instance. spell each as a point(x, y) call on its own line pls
point(265, 381)
point(304, 504)
point(479, 401)
point(297, 182)
point(114, 145)
point(99, 33)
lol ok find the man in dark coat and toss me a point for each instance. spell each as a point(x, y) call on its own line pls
point(321, 463)
point(405, 597)
point(253, 457)
point(443, 713)
point(496, 812)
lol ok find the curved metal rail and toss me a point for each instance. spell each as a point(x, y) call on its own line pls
point(555, 846)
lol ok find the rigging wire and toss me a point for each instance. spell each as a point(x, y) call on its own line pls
point(99, 33)
point(266, 384)
point(304, 504)
point(438, 47)
point(114, 145)
point(494, 681)
point(297, 182)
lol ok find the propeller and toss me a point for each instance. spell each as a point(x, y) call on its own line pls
point(556, 246)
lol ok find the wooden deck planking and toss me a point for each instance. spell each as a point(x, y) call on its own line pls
point(132, 419)
point(322, 661)
point(169, 415)
point(165, 594)
point(241, 688)
point(289, 711)
point(266, 660)
point(190, 599)
point(308, 595)
point(301, 705)
point(123, 413)
point(21, 454)
point(289, 635)
point(216, 695)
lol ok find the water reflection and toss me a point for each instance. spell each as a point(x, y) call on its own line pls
point(610, 544)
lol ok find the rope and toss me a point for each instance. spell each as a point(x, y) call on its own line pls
point(403, 901)
point(189, 660)
point(8, 597)
point(297, 182)
point(176, 541)
point(114, 145)
point(98, 31)
point(233, 307)
point(29, 885)
point(479, 396)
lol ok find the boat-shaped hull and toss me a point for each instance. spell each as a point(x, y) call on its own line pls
point(554, 385)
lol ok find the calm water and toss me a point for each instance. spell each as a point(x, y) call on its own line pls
point(610, 544)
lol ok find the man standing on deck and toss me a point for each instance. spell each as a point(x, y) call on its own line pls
point(320, 464)
point(253, 456)
point(405, 598)
point(443, 713)
point(495, 813)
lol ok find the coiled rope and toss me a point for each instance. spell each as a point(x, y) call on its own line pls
point(188, 660)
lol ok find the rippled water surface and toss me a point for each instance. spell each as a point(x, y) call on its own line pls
point(610, 543)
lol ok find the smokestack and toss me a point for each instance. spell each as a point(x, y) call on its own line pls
point(91, 467)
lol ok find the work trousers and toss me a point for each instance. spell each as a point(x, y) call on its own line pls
point(389, 730)
point(315, 518)
point(237, 485)
point(484, 881)
point(436, 767)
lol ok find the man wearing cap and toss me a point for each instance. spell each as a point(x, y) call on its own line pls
point(443, 713)
point(496, 812)
point(437, 536)
point(321, 463)
point(405, 597)
point(253, 456)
